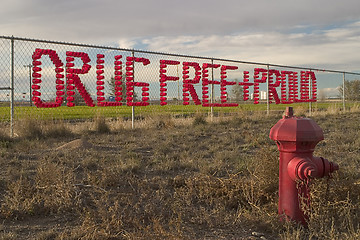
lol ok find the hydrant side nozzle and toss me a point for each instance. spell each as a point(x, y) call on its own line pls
point(301, 169)
point(328, 167)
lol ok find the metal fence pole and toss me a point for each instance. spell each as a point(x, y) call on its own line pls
point(212, 92)
point(30, 92)
point(12, 90)
point(178, 85)
point(133, 107)
point(343, 92)
point(310, 96)
point(267, 91)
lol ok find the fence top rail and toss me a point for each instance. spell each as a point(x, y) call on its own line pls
point(176, 55)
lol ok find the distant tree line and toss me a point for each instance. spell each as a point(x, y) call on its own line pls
point(352, 90)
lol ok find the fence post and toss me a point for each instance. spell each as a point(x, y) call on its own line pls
point(343, 93)
point(267, 91)
point(212, 93)
point(12, 90)
point(178, 85)
point(310, 96)
point(133, 107)
point(30, 94)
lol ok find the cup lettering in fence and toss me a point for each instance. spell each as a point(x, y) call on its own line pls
point(287, 81)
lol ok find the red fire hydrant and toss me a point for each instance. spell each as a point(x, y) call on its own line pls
point(296, 139)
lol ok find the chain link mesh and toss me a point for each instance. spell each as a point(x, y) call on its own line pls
point(5, 70)
point(174, 92)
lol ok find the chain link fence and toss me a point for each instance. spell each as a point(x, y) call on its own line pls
point(67, 81)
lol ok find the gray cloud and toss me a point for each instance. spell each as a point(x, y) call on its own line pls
point(335, 48)
point(281, 31)
point(111, 19)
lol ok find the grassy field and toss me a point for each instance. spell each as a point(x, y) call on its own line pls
point(85, 112)
point(170, 178)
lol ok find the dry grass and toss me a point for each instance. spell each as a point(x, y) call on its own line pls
point(101, 125)
point(355, 107)
point(170, 178)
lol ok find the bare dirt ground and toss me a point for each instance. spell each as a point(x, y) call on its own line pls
point(166, 180)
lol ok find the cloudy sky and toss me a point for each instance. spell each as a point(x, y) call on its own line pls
point(313, 33)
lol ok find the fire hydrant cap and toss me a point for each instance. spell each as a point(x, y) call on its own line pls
point(295, 129)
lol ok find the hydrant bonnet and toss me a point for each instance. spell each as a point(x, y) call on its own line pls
point(295, 129)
